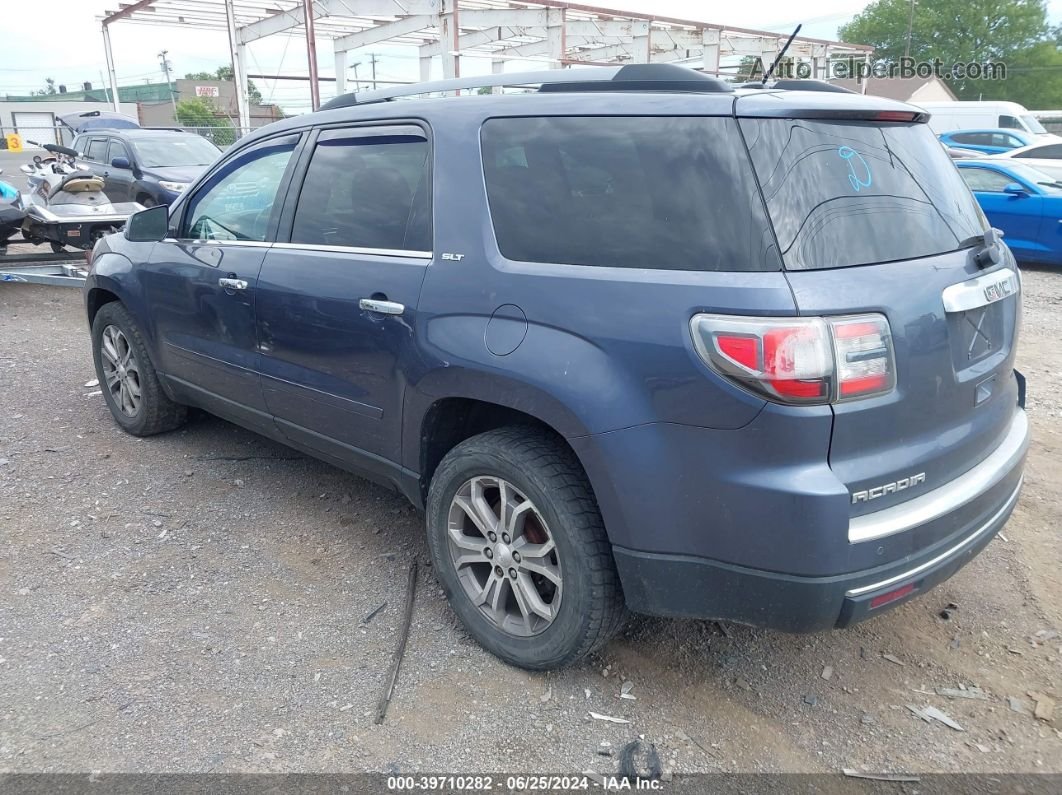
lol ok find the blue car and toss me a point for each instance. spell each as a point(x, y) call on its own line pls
point(637, 340)
point(991, 142)
point(1022, 201)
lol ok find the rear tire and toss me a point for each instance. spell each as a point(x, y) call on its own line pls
point(128, 380)
point(552, 516)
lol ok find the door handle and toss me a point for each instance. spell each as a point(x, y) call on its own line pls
point(232, 284)
point(383, 307)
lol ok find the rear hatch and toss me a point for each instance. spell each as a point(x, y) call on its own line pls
point(872, 217)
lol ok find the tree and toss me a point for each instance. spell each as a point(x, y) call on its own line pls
point(955, 31)
point(225, 73)
point(1034, 79)
point(201, 114)
point(49, 88)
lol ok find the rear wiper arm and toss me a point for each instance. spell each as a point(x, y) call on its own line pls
point(989, 245)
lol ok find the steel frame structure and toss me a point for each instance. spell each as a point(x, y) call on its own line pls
point(557, 32)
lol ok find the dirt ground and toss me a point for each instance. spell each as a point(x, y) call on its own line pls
point(198, 602)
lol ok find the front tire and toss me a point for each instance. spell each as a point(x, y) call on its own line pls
point(128, 380)
point(519, 546)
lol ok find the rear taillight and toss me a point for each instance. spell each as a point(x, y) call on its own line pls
point(800, 360)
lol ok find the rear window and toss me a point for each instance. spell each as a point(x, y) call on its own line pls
point(672, 193)
point(851, 193)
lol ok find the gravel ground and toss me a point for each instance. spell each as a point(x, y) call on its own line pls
point(197, 601)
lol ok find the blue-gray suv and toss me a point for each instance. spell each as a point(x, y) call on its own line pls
point(633, 339)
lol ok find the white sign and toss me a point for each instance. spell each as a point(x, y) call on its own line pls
point(207, 91)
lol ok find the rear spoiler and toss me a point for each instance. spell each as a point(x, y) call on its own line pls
point(819, 104)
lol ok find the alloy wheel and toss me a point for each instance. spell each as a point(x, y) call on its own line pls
point(121, 371)
point(504, 555)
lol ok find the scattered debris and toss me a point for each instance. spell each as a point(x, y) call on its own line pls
point(930, 714)
point(373, 614)
point(639, 760)
point(1018, 705)
point(1045, 635)
point(811, 699)
point(963, 692)
point(609, 718)
point(92, 383)
point(1045, 706)
point(1003, 537)
point(892, 658)
point(605, 748)
point(937, 715)
point(949, 608)
point(93, 394)
point(827, 673)
point(742, 683)
point(547, 695)
point(586, 693)
point(851, 773)
point(867, 719)
point(605, 671)
point(403, 637)
point(345, 707)
point(984, 749)
point(723, 629)
point(63, 555)
point(625, 690)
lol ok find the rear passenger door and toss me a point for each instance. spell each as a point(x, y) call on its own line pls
point(336, 299)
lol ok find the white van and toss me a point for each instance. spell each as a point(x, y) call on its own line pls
point(947, 116)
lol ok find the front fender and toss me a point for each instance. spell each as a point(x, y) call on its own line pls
point(113, 272)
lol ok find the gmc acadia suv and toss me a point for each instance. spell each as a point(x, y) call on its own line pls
point(633, 340)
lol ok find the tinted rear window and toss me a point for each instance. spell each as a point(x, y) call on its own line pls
point(632, 192)
point(844, 193)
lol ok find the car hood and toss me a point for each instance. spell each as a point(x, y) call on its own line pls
point(175, 173)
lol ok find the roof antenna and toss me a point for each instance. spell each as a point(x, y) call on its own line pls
point(781, 54)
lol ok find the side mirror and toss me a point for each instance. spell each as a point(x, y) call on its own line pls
point(148, 226)
point(1016, 190)
point(120, 162)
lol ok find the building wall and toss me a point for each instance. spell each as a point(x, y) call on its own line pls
point(56, 109)
point(933, 91)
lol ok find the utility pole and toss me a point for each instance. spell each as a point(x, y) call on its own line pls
point(910, 26)
point(357, 85)
point(372, 60)
point(166, 71)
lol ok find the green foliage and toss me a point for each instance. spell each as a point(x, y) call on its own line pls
point(225, 73)
point(1034, 79)
point(958, 31)
point(200, 113)
point(49, 88)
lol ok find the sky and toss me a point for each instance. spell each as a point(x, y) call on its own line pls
point(28, 51)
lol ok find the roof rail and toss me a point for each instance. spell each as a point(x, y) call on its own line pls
point(798, 84)
point(632, 77)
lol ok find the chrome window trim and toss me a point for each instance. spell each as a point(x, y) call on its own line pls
point(952, 495)
point(245, 243)
point(970, 294)
point(377, 252)
point(970, 539)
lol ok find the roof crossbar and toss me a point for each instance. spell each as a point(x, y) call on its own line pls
point(633, 77)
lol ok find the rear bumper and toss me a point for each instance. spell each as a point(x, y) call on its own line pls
point(975, 507)
point(684, 587)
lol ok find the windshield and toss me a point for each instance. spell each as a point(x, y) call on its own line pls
point(854, 193)
point(176, 150)
point(1032, 124)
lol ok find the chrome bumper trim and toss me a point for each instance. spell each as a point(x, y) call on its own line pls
point(952, 495)
point(968, 541)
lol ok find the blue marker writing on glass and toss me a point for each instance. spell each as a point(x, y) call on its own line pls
point(851, 156)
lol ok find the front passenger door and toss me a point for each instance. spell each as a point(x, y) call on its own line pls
point(201, 284)
point(118, 182)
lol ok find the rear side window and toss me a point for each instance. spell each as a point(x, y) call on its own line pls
point(856, 193)
point(366, 192)
point(1010, 123)
point(673, 193)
